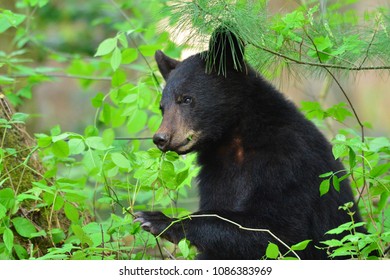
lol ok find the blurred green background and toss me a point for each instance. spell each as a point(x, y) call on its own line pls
point(77, 27)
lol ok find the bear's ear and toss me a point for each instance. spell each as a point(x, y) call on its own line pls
point(165, 63)
point(226, 51)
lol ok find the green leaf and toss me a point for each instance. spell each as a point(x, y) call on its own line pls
point(9, 19)
point(154, 122)
point(294, 20)
point(339, 112)
point(44, 141)
point(3, 211)
point(322, 44)
point(38, 234)
point(312, 110)
point(272, 251)
point(116, 59)
point(58, 235)
point(21, 252)
point(106, 47)
point(333, 243)
point(56, 130)
point(137, 121)
point(324, 187)
point(167, 173)
point(149, 50)
point(6, 80)
point(383, 200)
point(159, 194)
point(327, 174)
point(108, 137)
point(378, 143)
point(352, 158)
point(336, 183)
point(7, 198)
point(97, 101)
point(130, 98)
point(339, 150)
point(184, 247)
point(96, 142)
point(19, 117)
point(106, 114)
point(8, 238)
point(301, 245)
point(71, 212)
point(23, 227)
point(91, 131)
point(39, 3)
point(92, 162)
point(120, 160)
point(129, 55)
point(59, 137)
point(181, 177)
point(60, 149)
point(84, 238)
point(380, 170)
point(123, 40)
point(341, 228)
point(76, 146)
point(58, 203)
point(345, 250)
point(119, 78)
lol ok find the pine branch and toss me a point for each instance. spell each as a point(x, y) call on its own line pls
point(256, 30)
point(333, 66)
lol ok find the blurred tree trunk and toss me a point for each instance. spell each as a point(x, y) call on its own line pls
point(18, 170)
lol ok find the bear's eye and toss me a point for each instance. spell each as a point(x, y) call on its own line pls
point(186, 100)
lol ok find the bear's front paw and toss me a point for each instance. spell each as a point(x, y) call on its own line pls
point(156, 223)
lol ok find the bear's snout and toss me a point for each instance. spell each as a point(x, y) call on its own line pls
point(161, 140)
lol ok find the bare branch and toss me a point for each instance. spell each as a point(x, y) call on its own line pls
point(369, 46)
point(236, 224)
point(66, 76)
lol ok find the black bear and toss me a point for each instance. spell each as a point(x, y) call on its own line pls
point(260, 159)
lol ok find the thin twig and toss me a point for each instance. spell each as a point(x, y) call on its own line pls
point(369, 46)
point(248, 229)
point(67, 76)
point(101, 230)
point(133, 138)
point(233, 223)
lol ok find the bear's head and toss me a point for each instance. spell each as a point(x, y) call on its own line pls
point(201, 99)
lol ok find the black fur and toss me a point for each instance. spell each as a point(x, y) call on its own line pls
point(260, 163)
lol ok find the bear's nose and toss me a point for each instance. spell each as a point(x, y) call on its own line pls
point(161, 140)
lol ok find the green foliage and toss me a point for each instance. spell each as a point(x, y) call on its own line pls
point(307, 36)
point(355, 244)
point(273, 252)
point(9, 19)
point(95, 178)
